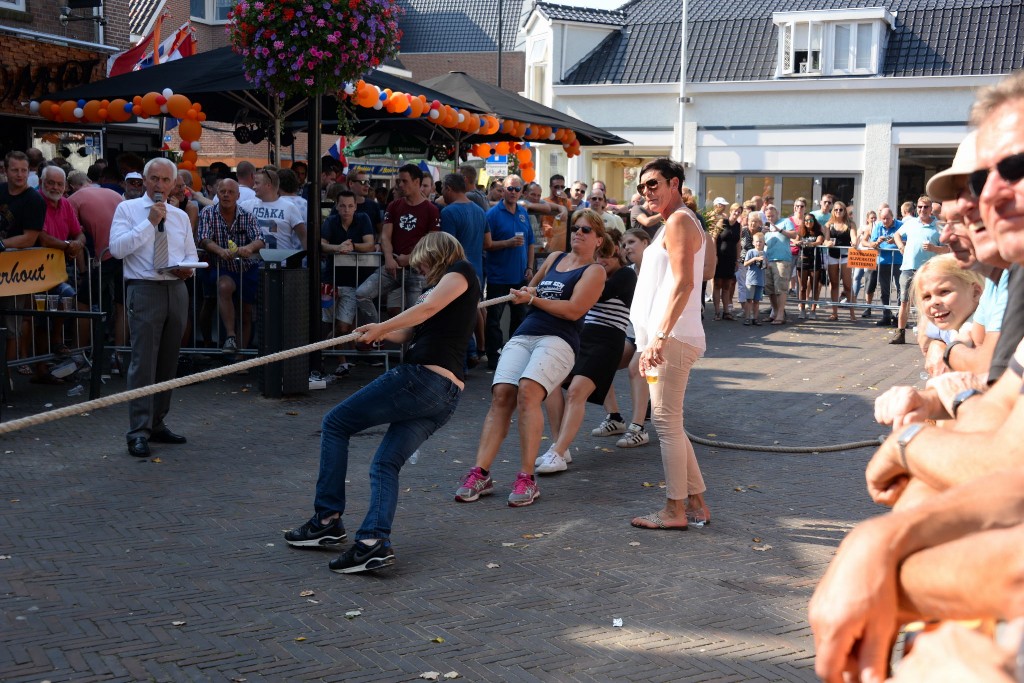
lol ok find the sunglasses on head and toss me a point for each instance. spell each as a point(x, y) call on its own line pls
point(651, 184)
point(585, 228)
point(1010, 169)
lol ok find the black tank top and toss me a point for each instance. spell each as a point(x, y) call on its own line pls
point(841, 238)
point(444, 338)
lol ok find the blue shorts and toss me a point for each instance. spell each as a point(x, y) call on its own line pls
point(247, 282)
point(755, 292)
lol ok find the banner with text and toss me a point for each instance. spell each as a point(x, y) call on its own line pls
point(27, 271)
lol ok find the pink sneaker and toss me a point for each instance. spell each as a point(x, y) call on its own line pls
point(524, 491)
point(475, 484)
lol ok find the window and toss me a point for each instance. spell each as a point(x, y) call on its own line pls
point(16, 5)
point(211, 11)
point(827, 43)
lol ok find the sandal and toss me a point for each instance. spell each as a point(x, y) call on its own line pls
point(728, 316)
point(25, 371)
point(717, 317)
point(659, 524)
point(834, 318)
point(778, 322)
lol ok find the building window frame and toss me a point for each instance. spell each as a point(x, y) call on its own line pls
point(13, 5)
point(210, 11)
point(809, 40)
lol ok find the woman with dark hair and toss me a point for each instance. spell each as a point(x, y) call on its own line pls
point(666, 315)
point(414, 399)
point(538, 357)
point(601, 343)
point(840, 231)
point(812, 266)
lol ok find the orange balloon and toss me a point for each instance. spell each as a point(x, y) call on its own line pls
point(187, 165)
point(67, 110)
point(202, 116)
point(190, 155)
point(189, 130)
point(92, 111)
point(501, 148)
point(417, 107)
point(46, 109)
point(178, 106)
point(150, 107)
point(116, 111)
point(524, 156)
point(529, 174)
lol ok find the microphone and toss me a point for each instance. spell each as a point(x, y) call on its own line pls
point(158, 197)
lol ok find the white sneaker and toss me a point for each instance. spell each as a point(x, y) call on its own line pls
point(552, 462)
point(609, 427)
point(636, 436)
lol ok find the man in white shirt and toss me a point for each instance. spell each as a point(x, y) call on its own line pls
point(150, 235)
point(599, 203)
point(282, 223)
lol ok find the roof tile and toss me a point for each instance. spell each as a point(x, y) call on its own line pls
point(458, 25)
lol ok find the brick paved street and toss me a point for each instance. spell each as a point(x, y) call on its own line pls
point(174, 568)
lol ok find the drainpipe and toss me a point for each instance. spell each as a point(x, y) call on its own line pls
point(677, 153)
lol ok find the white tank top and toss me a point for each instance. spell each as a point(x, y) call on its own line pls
point(653, 293)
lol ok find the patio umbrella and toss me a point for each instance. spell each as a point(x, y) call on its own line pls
point(385, 142)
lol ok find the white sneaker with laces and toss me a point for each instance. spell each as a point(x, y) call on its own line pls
point(636, 436)
point(608, 427)
point(552, 462)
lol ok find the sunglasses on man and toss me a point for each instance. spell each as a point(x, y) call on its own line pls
point(1010, 169)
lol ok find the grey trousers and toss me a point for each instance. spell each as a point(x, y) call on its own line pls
point(157, 313)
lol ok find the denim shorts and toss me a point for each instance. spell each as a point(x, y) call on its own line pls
point(546, 360)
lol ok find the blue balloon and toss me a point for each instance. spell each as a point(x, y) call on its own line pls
point(383, 96)
point(128, 107)
point(81, 103)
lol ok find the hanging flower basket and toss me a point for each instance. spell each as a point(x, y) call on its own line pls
point(298, 47)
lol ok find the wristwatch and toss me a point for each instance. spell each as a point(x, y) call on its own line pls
point(904, 439)
point(662, 336)
point(949, 348)
point(960, 398)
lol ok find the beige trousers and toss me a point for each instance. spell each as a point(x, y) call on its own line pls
point(682, 474)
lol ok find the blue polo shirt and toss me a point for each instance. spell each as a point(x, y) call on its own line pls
point(467, 223)
point(508, 266)
point(776, 247)
point(888, 252)
point(915, 235)
point(992, 306)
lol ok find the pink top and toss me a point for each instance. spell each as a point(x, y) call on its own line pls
point(95, 206)
point(61, 221)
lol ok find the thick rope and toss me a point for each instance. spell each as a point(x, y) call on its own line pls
point(785, 449)
point(142, 392)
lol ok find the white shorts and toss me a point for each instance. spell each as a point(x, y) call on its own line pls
point(546, 360)
point(833, 261)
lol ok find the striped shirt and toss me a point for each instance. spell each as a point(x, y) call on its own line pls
point(612, 309)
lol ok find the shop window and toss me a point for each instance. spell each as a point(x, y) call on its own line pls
point(793, 187)
point(719, 186)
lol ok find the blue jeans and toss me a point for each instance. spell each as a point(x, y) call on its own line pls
point(416, 402)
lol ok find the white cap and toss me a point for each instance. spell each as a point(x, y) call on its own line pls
point(942, 186)
point(720, 200)
point(134, 175)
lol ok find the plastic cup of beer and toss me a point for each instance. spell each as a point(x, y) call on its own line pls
point(521, 236)
point(52, 302)
point(67, 303)
point(40, 301)
point(652, 375)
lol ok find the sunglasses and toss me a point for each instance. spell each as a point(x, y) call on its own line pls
point(585, 228)
point(558, 188)
point(651, 184)
point(927, 206)
point(1010, 169)
point(360, 182)
point(514, 188)
point(841, 210)
point(133, 182)
point(578, 191)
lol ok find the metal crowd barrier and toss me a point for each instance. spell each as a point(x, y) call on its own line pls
point(819, 269)
point(205, 332)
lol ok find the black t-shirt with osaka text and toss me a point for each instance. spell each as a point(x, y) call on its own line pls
point(20, 212)
point(443, 338)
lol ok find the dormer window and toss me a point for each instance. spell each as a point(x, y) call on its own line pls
point(832, 43)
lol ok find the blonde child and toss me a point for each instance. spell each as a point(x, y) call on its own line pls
point(753, 224)
point(754, 260)
point(946, 297)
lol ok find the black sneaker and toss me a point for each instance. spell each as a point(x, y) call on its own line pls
point(313, 534)
point(363, 558)
point(883, 322)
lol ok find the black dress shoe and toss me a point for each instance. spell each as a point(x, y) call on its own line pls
point(167, 436)
point(139, 447)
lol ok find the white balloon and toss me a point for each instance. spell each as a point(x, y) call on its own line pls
point(195, 147)
point(378, 105)
point(79, 112)
point(163, 108)
point(167, 92)
point(33, 107)
point(462, 118)
point(434, 114)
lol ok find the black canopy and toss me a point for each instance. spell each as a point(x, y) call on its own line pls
point(216, 79)
point(509, 105)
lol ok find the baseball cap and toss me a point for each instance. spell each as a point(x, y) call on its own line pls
point(943, 186)
point(720, 200)
point(135, 175)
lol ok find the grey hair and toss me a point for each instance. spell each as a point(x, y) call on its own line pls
point(995, 96)
point(157, 161)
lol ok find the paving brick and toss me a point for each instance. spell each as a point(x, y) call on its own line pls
point(107, 551)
